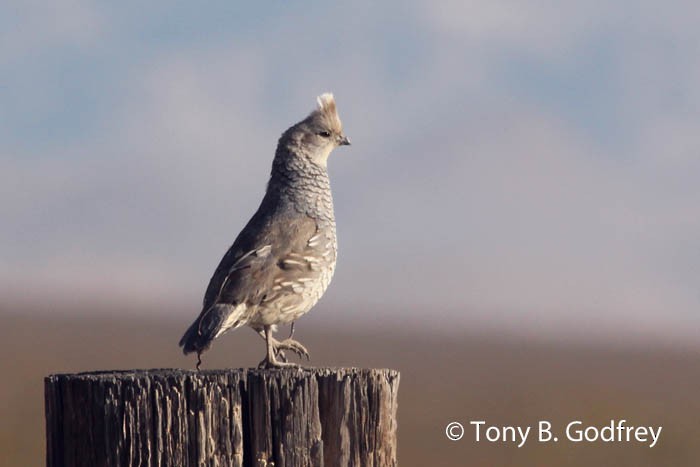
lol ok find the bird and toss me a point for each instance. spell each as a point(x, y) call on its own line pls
point(283, 260)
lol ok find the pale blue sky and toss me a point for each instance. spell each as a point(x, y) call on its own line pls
point(517, 164)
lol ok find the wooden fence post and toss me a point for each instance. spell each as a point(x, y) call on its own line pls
point(233, 417)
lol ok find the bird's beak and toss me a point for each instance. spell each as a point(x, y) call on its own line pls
point(344, 141)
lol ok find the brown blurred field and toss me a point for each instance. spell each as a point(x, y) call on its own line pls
point(444, 378)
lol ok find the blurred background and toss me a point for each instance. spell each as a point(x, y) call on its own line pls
point(518, 213)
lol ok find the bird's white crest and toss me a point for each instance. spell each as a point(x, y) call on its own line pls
point(327, 112)
point(325, 101)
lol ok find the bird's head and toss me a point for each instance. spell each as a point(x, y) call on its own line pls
point(319, 133)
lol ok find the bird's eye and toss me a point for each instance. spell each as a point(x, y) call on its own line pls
point(325, 134)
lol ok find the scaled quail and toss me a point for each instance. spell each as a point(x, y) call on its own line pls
point(282, 262)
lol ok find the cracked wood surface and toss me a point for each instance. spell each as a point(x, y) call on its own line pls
point(233, 417)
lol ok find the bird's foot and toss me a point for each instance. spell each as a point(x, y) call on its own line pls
point(278, 360)
point(293, 346)
point(275, 357)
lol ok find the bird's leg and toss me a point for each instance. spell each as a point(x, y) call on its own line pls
point(294, 346)
point(199, 359)
point(288, 344)
point(278, 351)
point(272, 349)
point(271, 358)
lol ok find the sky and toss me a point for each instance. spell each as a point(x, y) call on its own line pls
point(523, 164)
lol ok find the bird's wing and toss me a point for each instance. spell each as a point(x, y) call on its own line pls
point(299, 268)
point(249, 275)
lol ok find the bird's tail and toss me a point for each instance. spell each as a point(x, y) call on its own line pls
point(209, 325)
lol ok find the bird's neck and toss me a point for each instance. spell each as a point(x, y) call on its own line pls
point(303, 185)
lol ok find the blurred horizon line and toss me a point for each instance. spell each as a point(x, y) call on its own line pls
point(449, 323)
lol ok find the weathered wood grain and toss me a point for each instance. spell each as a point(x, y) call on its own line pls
point(236, 417)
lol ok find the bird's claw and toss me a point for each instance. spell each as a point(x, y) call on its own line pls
point(292, 346)
point(279, 360)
